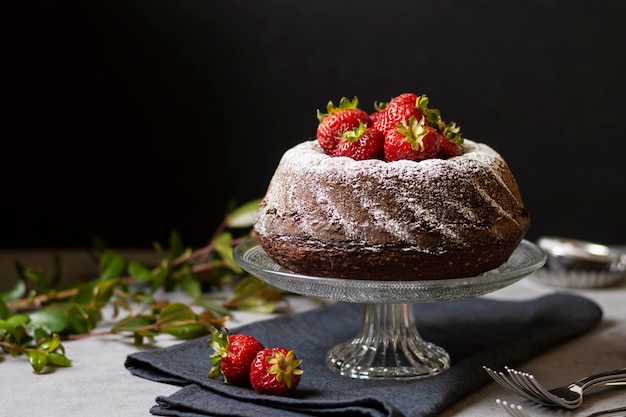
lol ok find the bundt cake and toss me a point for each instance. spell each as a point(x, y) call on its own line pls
point(425, 218)
point(434, 219)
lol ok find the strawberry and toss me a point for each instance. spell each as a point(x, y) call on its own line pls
point(361, 143)
point(338, 120)
point(447, 149)
point(404, 99)
point(275, 371)
point(432, 116)
point(379, 106)
point(413, 140)
point(232, 356)
point(450, 131)
point(400, 108)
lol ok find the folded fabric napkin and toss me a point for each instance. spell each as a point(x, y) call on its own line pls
point(474, 331)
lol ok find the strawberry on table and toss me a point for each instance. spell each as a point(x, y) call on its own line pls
point(361, 143)
point(233, 354)
point(275, 371)
point(339, 119)
point(413, 140)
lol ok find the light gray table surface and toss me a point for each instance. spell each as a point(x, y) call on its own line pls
point(98, 384)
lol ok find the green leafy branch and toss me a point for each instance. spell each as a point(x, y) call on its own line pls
point(37, 315)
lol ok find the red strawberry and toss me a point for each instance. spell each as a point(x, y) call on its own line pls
point(452, 131)
point(275, 371)
point(338, 120)
point(404, 99)
point(232, 357)
point(450, 134)
point(433, 118)
point(413, 140)
point(451, 140)
point(400, 108)
point(379, 106)
point(361, 143)
point(448, 149)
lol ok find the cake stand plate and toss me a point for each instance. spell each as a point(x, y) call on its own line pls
point(388, 345)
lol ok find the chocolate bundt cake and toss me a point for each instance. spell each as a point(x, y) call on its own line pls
point(404, 220)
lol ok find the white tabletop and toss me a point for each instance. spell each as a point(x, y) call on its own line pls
point(98, 384)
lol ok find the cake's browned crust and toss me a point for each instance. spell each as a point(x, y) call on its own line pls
point(434, 219)
point(384, 264)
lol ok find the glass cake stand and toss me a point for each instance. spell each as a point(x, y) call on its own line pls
point(388, 345)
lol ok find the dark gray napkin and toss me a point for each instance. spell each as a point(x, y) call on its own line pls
point(474, 331)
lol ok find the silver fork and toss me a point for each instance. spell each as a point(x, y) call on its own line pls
point(516, 410)
point(512, 409)
point(568, 396)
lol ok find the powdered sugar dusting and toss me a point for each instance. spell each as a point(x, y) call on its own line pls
point(373, 202)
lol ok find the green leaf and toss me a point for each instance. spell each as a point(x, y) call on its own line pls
point(18, 320)
point(79, 319)
point(163, 277)
point(5, 312)
point(252, 294)
point(160, 275)
point(191, 285)
point(6, 327)
point(52, 344)
point(132, 323)
point(51, 320)
point(243, 216)
point(38, 277)
point(212, 305)
point(58, 359)
point(176, 312)
point(40, 333)
point(17, 291)
point(38, 359)
point(112, 265)
point(141, 334)
point(176, 245)
point(139, 272)
point(85, 294)
point(225, 250)
point(185, 330)
point(82, 319)
point(103, 291)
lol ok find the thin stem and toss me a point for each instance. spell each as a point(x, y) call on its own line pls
point(86, 335)
point(39, 300)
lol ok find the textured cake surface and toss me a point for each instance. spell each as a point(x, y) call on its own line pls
point(404, 220)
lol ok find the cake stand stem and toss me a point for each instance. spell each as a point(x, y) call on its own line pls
point(387, 346)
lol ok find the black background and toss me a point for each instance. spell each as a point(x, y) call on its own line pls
point(127, 119)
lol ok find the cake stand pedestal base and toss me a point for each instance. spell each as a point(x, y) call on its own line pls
point(387, 346)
